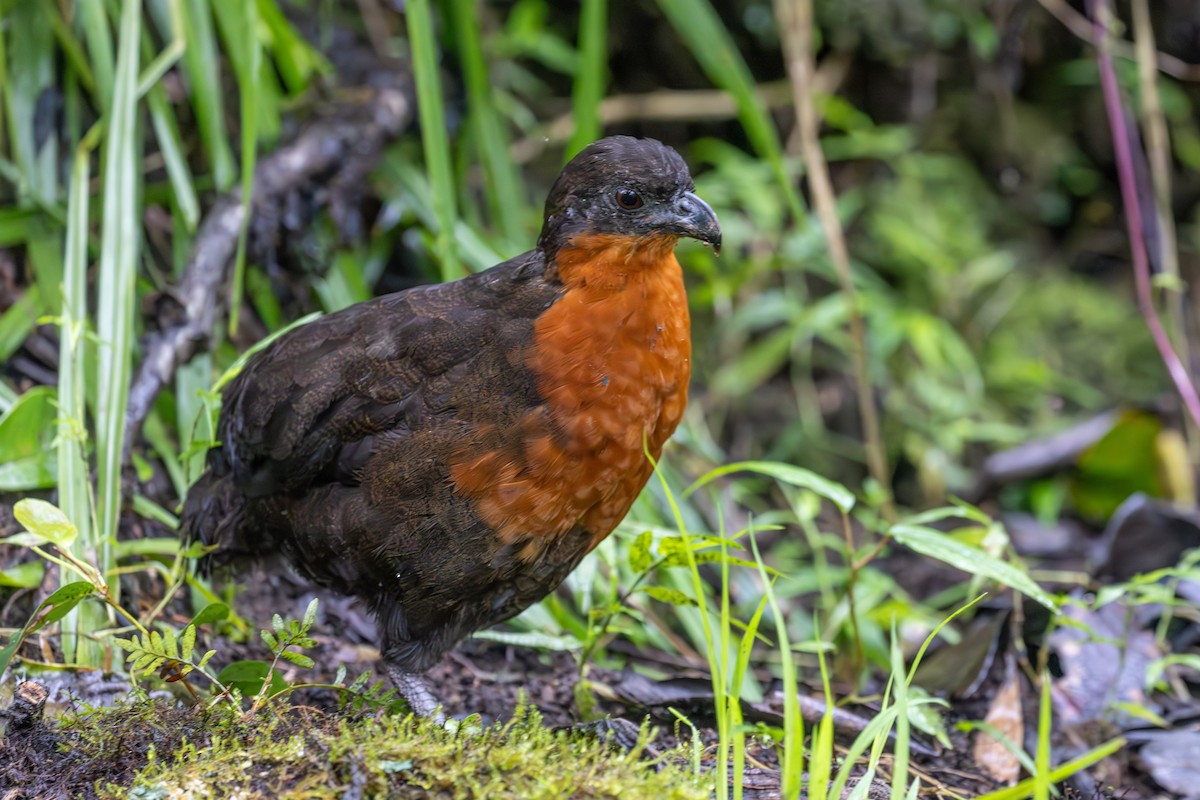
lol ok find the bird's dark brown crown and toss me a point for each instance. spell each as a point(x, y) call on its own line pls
point(620, 186)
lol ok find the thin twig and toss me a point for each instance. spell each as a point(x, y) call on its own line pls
point(1101, 12)
point(325, 150)
point(1158, 151)
point(669, 105)
point(796, 26)
point(1078, 24)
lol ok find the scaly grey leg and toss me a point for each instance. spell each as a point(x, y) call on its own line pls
point(414, 688)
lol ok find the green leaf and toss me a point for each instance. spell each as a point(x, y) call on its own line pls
point(269, 640)
point(1125, 461)
point(153, 546)
point(27, 474)
point(972, 560)
point(310, 614)
point(204, 660)
point(23, 576)
point(46, 521)
point(639, 552)
point(26, 434)
point(170, 644)
point(835, 493)
point(213, 612)
point(299, 659)
point(364, 677)
point(58, 604)
point(532, 639)
point(248, 677)
point(141, 660)
point(667, 595)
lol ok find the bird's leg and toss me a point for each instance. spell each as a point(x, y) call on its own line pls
point(414, 687)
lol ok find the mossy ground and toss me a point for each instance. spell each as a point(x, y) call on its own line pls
point(151, 751)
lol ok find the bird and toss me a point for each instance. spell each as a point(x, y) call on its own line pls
point(449, 453)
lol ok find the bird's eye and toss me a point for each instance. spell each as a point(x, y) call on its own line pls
point(628, 199)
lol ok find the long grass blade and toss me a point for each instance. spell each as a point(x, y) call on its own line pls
point(30, 74)
point(714, 49)
point(119, 250)
point(94, 21)
point(1041, 778)
point(792, 767)
point(248, 88)
point(592, 75)
point(166, 127)
point(202, 65)
point(74, 488)
point(72, 50)
point(503, 183)
point(434, 138)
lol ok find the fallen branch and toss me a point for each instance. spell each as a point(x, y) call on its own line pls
point(340, 149)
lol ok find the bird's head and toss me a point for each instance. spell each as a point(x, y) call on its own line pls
point(627, 188)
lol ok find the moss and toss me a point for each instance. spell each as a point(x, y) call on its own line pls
point(153, 752)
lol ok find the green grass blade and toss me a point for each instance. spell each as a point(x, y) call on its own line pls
point(1076, 765)
point(17, 225)
point(166, 127)
point(791, 769)
point(248, 86)
point(718, 55)
point(434, 137)
point(1041, 777)
point(30, 72)
point(44, 253)
point(170, 144)
point(202, 66)
point(592, 75)
point(503, 184)
point(74, 488)
point(119, 249)
point(94, 22)
point(296, 59)
point(72, 50)
point(18, 320)
point(903, 726)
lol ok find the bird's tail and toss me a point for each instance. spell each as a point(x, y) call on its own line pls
point(213, 515)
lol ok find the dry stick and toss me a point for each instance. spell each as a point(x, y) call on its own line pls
point(1158, 151)
point(796, 23)
point(1078, 24)
point(1102, 11)
point(671, 105)
point(325, 149)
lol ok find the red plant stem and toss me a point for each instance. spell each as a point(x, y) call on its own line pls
point(1099, 10)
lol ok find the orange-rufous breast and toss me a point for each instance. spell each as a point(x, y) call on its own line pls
point(612, 359)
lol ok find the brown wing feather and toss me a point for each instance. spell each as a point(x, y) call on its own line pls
point(312, 408)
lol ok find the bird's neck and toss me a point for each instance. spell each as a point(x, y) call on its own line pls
point(605, 264)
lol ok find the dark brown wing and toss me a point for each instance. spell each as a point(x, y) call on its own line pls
point(303, 409)
point(309, 410)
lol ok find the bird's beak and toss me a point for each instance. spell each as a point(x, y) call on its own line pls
point(692, 217)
